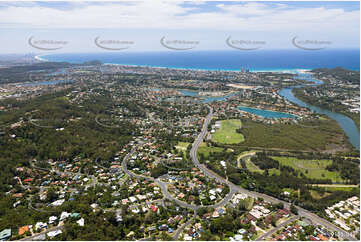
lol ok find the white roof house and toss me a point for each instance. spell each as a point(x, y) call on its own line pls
point(40, 225)
point(212, 192)
point(255, 213)
point(132, 199)
point(54, 233)
point(94, 205)
point(238, 237)
point(135, 210)
point(64, 215)
point(80, 222)
point(58, 202)
point(52, 219)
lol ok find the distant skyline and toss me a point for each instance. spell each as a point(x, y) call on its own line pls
point(141, 25)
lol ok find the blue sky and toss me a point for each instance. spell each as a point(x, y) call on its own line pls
point(144, 23)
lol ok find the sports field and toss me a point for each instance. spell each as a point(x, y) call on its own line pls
point(227, 133)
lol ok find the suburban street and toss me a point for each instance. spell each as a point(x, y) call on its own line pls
point(180, 229)
point(165, 191)
point(281, 225)
point(234, 188)
point(41, 233)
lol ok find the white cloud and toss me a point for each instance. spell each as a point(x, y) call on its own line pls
point(174, 15)
point(146, 22)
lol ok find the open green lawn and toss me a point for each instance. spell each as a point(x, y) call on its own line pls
point(336, 187)
point(315, 169)
point(274, 171)
point(252, 167)
point(227, 133)
point(182, 146)
point(290, 190)
point(318, 195)
point(205, 150)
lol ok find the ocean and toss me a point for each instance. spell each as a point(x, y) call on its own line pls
point(258, 60)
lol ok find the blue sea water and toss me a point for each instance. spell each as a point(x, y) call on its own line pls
point(224, 60)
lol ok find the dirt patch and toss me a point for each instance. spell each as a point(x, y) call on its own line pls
point(334, 148)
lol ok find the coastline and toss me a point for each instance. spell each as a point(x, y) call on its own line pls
point(288, 61)
point(286, 70)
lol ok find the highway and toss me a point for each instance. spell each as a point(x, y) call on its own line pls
point(233, 189)
point(236, 189)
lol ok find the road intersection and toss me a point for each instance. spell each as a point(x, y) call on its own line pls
point(236, 189)
point(233, 190)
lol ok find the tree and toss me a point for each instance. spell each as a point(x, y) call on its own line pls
point(165, 237)
point(51, 195)
point(222, 224)
point(273, 221)
point(280, 205)
point(207, 236)
point(294, 210)
point(159, 171)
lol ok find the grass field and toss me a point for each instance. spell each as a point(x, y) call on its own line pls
point(290, 190)
point(244, 154)
point(318, 195)
point(337, 187)
point(205, 150)
point(182, 146)
point(249, 203)
point(227, 133)
point(274, 171)
point(315, 169)
point(252, 167)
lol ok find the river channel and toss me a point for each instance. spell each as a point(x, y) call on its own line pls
point(345, 122)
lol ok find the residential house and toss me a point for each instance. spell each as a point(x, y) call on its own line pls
point(5, 234)
point(54, 233)
point(23, 230)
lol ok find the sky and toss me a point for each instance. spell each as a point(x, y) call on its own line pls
point(162, 25)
